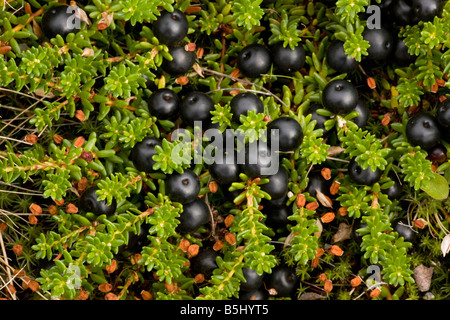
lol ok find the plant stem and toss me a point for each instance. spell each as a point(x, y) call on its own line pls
point(268, 92)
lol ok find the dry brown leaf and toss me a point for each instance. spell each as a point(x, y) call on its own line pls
point(344, 232)
point(324, 199)
point(423, 276)
point(333, 151)
point(311, 296)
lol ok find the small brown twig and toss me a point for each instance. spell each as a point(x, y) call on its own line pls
point(247, 83)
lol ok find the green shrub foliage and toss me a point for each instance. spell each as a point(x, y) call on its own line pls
point(73, 108)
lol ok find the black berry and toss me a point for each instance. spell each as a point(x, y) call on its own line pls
point(380, 41)
point(288, 60)
point(340, 96)
point(60, 20)
point(183, 187)
point(254, 60)
point(196, 106)
point(195, 214)
point(183, 60)
point(290, 133)
point(422, 130)
point(244, 102)
point(143, 152)
point(171, 27)
point(164, 104)
point(338, 60)
point(363, 176)
point(89, 203)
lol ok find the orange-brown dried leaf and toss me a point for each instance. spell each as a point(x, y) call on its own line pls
point(336, 250)
point(200, 52)
point(25, 281)
point(300, 201)
point(371, 83)
point(84, 295)
point(420, 223)
point(52, 209)
point(323, 277)
point(5, 49)
point(229, 220)
point(19, 273)
point(343, 211)
point(328, 286)
point(218, 245)
point(334, 189)
point(71, 208)
point(57, 139)
point(136, 258)
point(434, 88)
point(146, 295)
point(111, 296)
point(213, 187)
point(184, 245)
point(319, 252)
point(326, 173)
point(356, 281)
point(79, 114)
point(230, 238)
point(105, 287)
point(199, 278)
point(78, 143)
point(28, 8)
point(111, 267)
point(191, 46)
point(193, 250)
point(35, 209)
point(328, 217)
point(440, 82)
point(375, 293)
point(33, 285)
point(235, 73)
point(17, 249)
point(32, 219)
point(193, 9)
point(11, 289)
point(312, 206)
point(82, 184)
point(182, 81)
point(386, 119)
